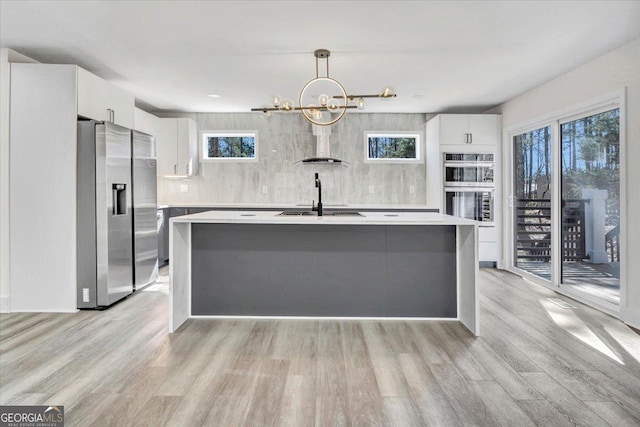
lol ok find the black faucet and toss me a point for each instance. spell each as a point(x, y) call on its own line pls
point(319, 187)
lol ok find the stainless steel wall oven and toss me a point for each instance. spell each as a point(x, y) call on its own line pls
point(469, 186)
point(468, 169)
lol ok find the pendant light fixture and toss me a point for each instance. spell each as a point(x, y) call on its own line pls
point(323, 101)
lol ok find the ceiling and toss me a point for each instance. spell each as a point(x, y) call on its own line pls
point(439, 56)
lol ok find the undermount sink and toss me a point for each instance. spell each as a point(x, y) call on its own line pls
point(311, 213)
point(343, 213)
point(296, 213)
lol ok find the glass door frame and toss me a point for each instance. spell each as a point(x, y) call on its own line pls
point(609, 101)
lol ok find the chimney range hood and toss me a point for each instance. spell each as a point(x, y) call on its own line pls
point(323, 146)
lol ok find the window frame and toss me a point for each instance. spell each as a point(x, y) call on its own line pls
point(229, 133)
point(398, 134)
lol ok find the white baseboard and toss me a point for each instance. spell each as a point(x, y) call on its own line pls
point(5, 304)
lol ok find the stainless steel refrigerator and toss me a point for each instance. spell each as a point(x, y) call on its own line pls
point(104, 214)
point(145, 209)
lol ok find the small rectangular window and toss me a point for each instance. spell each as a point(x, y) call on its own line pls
point(392, 147)
point(229, 145)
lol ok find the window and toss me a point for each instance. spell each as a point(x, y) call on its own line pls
point(232, 145)
point(392, 147)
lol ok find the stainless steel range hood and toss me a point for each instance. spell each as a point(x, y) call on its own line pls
point(323, 146)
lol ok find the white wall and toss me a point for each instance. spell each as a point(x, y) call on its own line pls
point(6, 57)
point(617, 69)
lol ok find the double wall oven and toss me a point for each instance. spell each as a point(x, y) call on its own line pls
point(469, 187)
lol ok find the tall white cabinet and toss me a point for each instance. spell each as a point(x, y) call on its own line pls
point(46, 101)
point(467, 133)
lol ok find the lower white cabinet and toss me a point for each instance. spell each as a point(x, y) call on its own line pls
point(488, 252)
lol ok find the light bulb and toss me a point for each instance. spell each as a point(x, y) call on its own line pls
point(387, 92)
point(265, 113)
point(360, 104)
point(323, 99)
point(333, 105)
point(276, 100)
point(287, 105)
point(311, 109)
point(314, 112)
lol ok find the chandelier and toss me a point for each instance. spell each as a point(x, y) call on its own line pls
point(322, 101)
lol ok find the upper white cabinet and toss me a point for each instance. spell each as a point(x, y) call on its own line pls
point(103, 101)
point(188, 146)
point(145, 122)
point(469, 129)
point(177, 142)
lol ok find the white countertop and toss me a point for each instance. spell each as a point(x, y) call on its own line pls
point(367, 218)
point(240, 206)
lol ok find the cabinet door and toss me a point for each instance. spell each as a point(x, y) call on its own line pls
point(187, 147)
point(100, 100)
point(454, 128)
point(122, 104)
point(167, 146)
point(194, 151)
point(145, 122)
point(484, 129)
point(91, 96)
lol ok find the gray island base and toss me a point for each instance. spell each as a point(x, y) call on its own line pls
point(241, 264)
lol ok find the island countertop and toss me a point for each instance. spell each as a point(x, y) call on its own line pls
point(366, 218)
point(289, 206)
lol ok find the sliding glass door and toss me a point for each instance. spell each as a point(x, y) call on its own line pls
point(590, 200)
point(532, 201)
point(565, 207)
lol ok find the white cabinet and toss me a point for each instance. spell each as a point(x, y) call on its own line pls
point(467, 133)
point(177, 142)
point(101, 100)
point(145, 122)
point(46, 100)
point(471, 129)
point(188, 146)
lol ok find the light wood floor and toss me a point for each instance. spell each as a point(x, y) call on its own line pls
point(535, 364)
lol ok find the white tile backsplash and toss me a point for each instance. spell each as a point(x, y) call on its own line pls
point(283, 141)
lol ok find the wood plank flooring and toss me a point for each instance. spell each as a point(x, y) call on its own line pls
point(535, 364)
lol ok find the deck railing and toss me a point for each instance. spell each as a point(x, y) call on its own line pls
point(533, 229)
point(612, 243)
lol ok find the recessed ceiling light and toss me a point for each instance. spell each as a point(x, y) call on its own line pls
point(214, 95)
point(418, 96)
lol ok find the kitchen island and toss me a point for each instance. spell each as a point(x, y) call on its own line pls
point(372, 265)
